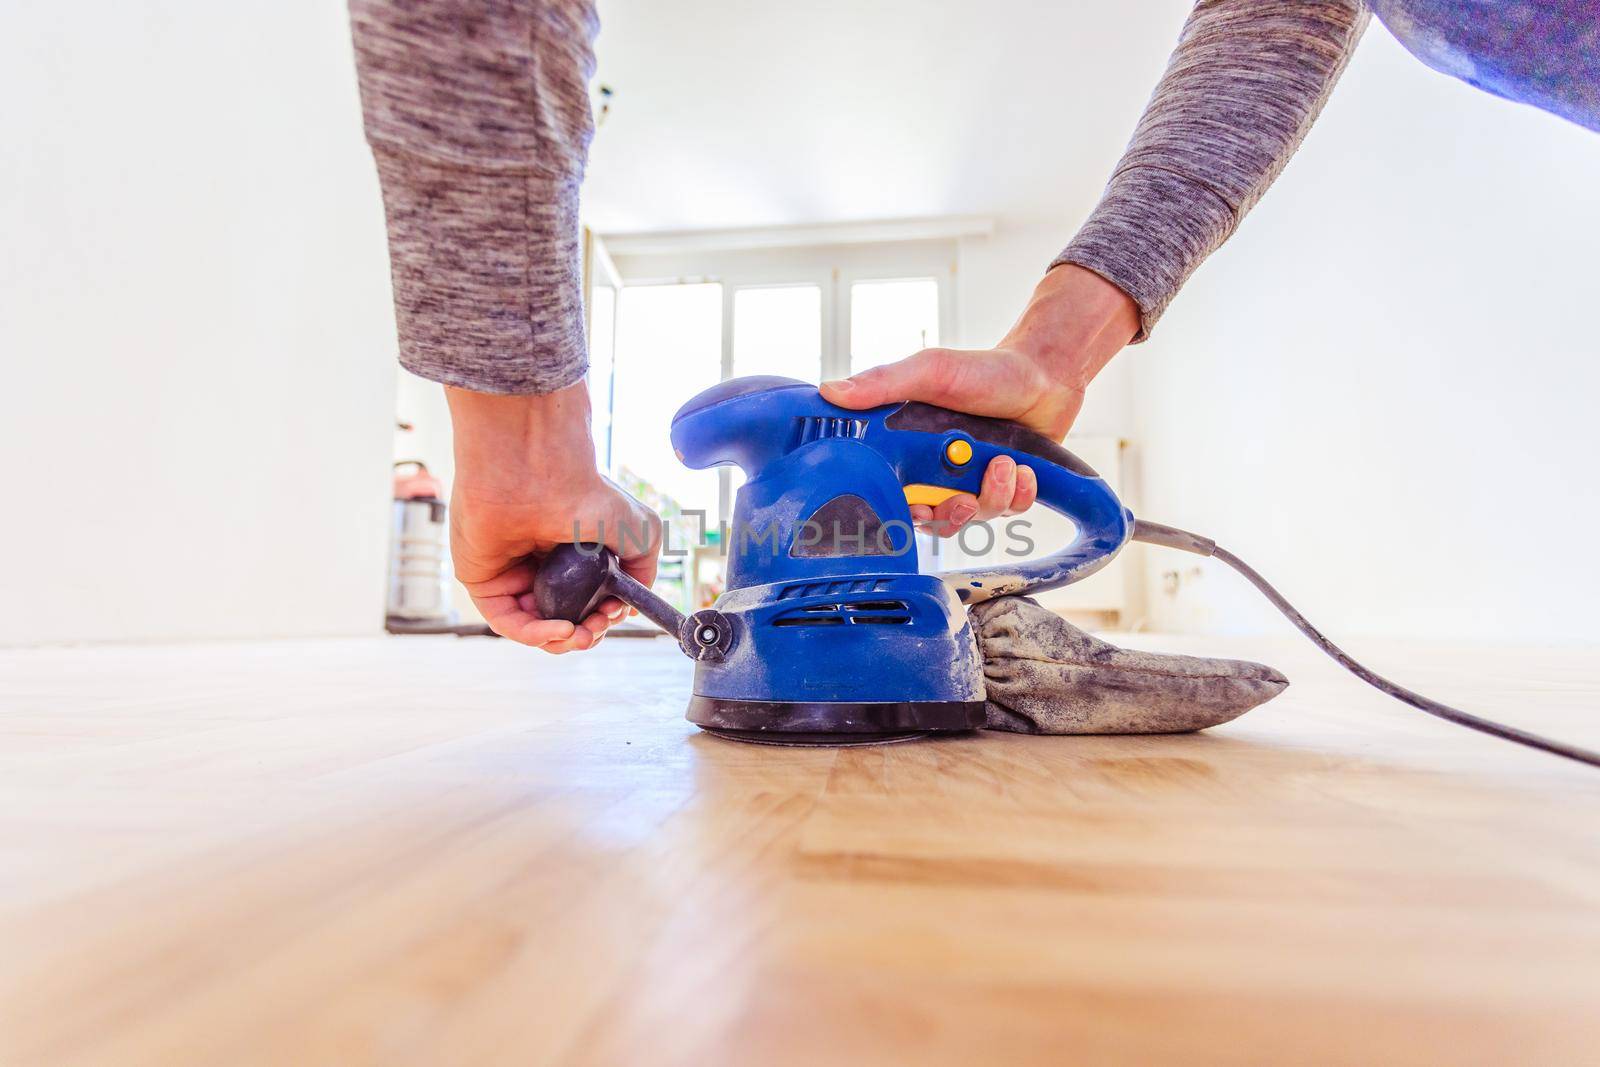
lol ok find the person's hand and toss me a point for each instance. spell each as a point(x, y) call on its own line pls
point(1073, 325)
point(525, 482)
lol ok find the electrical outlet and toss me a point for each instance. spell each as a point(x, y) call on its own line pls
point(1172, 581)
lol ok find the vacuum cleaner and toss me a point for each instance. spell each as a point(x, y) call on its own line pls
point(827, 633)
point(419, 558)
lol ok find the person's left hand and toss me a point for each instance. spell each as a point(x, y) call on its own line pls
point(1075, 322)
point(1001, 383)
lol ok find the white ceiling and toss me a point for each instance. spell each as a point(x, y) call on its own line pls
point(764, 113)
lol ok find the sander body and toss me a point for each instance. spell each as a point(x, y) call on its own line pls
point(827, 632)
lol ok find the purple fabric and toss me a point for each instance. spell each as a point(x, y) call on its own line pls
point(1540, 52)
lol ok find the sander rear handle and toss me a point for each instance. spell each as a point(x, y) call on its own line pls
point(573, 581)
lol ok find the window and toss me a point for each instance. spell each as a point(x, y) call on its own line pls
point(690, 316)
point(669, 347)
point(778, 330)
point(602, 356)
point(889, 320)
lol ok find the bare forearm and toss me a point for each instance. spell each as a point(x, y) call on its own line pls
point(478, 116)
point(1243, 87)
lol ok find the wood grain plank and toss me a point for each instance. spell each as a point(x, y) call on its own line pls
point(441, 851)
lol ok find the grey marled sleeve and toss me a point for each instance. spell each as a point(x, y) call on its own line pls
point(478, 115)
point(1243, 86)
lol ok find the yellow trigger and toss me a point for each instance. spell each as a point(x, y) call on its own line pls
point(931, 495)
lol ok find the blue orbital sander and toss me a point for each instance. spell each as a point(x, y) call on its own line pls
point(827, 633)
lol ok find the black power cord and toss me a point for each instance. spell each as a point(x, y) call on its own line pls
point(1171, 537)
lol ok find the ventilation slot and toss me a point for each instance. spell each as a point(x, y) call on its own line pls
point(850, 613)
point(854, 585)
point(817, 427)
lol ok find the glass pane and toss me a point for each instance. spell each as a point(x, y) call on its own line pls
point(890, 320)
point(669, 347)
point(778, 331)
point(602, 350)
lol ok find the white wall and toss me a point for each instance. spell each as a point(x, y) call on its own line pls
point(1382, 392)
point(198, 392)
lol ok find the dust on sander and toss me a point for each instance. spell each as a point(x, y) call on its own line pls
point(1046, 676)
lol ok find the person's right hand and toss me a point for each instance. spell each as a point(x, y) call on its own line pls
point(526, 481)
